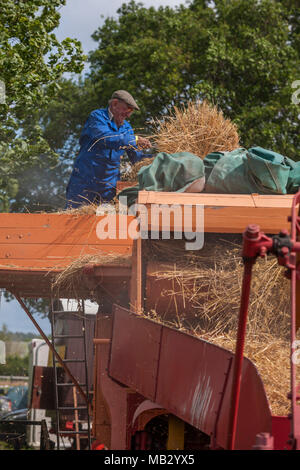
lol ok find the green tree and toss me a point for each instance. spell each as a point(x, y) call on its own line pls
point(15, 365)
point(242, 55)
point(32, 61)
point(42, 188)
point(238, 54)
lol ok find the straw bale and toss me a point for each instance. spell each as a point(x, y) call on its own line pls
point(132, 174)
point(90, 208)
point(72, 278)
point(212, 279)
point(199, 128)
point(85, 209)
point(271, 356)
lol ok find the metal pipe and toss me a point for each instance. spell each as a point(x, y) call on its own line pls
point(239, 353)
point(295, 412)
point(101, 341)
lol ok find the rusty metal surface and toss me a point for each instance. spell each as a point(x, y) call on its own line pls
point(42, 394)
point(186, 376)
point(144, 340)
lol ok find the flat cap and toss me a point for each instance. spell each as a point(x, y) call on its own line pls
point(126, 97)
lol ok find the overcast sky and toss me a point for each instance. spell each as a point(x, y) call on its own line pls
point(16, 320)
point(80, 18)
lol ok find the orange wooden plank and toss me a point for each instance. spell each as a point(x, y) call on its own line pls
point(37, 236)
point(63, 230)
point(45, 220)
point(57, 258)
point(47, 241)
point(228, 214)
point(42, 251)
point(219, 200)
point(235, 220)
point(220, 220)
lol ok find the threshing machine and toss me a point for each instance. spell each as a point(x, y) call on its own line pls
point(153, 387)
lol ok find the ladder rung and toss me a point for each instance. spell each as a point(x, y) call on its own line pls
point(70, 384)
point(74, 312)
point(70, 360)
point(67, 336)
point(72, 408)
point(73, 432)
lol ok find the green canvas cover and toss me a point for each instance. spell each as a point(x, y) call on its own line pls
point(167, 172)
point(256, 170)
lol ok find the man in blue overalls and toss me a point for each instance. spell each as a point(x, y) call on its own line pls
point(105, 137)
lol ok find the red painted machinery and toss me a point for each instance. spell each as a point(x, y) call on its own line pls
point(199, 395)
point(155, 387)
point(285, 247)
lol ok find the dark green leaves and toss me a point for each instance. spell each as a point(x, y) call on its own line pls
point(32, 60)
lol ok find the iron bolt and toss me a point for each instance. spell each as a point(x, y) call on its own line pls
point(252, 231)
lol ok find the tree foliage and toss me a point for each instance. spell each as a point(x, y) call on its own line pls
point(6, 335)
point(242, 55)
point(15, 365)
point(32, 61)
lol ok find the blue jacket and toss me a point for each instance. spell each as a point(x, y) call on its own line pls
point(97, 167)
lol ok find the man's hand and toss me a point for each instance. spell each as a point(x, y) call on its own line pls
point(143, 143)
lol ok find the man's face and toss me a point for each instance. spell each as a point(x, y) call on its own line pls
point(120, 111)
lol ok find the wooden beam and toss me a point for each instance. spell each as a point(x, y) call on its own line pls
point(223, 213)
point(53, 241)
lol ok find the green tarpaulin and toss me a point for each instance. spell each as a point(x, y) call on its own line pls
point(167, 172)
point(255, 170)
point(241, 171)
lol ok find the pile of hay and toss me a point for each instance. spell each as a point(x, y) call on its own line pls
point(91, 208)
point(132, 174)
point(211, 279)
point(85, 209)
point(198, 128)
point(72, 278)
point(271, 356)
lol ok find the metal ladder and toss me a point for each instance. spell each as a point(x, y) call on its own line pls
point(82, 388)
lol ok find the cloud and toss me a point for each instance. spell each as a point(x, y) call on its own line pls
point(80, 18)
